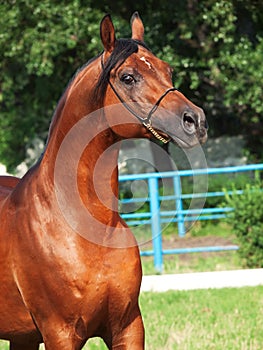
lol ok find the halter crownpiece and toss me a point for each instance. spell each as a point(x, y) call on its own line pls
point(145, 121)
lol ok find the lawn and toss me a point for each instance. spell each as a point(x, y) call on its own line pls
point(205, 319)
point(214, 319)
point(195, 262)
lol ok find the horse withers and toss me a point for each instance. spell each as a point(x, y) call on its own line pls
point(70, 266)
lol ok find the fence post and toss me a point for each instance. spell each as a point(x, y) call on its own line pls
point(156, 224)
point(179, 204)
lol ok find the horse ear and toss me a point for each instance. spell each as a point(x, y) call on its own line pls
point(137, 27)
point(107, 33)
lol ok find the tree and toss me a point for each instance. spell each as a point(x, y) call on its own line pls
point(215, 47)
point(42, 44)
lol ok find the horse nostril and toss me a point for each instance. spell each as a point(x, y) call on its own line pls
point(189, 123)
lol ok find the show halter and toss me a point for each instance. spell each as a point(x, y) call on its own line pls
point(145, 121)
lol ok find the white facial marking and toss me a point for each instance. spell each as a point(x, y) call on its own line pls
point(146, 62)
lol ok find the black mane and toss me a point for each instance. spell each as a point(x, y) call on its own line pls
point(122, 50)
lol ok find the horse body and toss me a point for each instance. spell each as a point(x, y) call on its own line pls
point(62, 279)
point(70, 266)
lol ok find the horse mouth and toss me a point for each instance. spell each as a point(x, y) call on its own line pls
point(199, 136)
point(189, 133)
point(165, 136)
point(181, 143)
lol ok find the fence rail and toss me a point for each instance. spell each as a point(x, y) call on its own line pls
point(156, 216)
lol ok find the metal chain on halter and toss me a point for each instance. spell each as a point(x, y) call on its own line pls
point(155, 133)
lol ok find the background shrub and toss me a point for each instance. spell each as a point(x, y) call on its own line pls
point(247, 223)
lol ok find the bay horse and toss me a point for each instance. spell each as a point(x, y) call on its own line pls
point(70, 266)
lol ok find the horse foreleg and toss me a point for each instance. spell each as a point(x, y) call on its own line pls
point(24, 346)
point(58, 338)
point(131, 337)
point(62, 342)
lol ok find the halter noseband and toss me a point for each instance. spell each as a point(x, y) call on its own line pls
point(145, 121)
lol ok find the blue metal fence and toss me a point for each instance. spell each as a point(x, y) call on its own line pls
point(156, 216)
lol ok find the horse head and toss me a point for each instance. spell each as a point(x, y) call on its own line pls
point(140, 84)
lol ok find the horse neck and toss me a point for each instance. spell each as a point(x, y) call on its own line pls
point(98, 177)
point(82, 154)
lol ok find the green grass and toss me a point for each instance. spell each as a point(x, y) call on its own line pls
point(214, 319)
point(229, 319)
point(216, 228)
point(195, 262)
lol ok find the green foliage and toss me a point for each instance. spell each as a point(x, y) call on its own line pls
point(247, 221)
point(41, 46)
point(215, 47)
point(216, 50)
point(217, 183)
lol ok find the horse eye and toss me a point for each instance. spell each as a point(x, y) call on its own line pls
point(127, 79)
